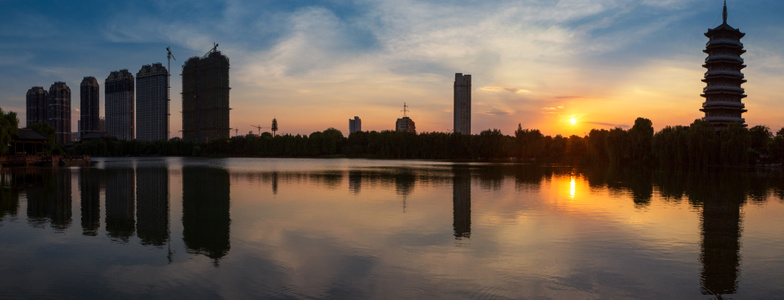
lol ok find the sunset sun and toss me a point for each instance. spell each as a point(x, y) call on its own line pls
point(573, 121)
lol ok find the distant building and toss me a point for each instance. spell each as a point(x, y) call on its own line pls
point(354, 125)
point(152, 103)
point(723, 79)
point(462, 104)
point(37, 105)
point(119, 105)
point(405, 124)
point(89, 105)
point(59, 112)
point(205, 98)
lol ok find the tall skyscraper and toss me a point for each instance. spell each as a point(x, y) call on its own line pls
point(59, 111)
point(205, 97)
point(354, 125)
point(89, 105)
point(462, 107)
point(723, 93)
point(37, 105)
point(119, 105)
point(152, 103)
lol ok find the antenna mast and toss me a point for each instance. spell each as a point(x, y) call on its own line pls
point(405, 109)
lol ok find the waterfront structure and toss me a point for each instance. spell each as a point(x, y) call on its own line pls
point(354, 125)
point(723, 95)
point(462, 103)
point(59, 111)
point(152, 103)
point(205, 97)
point(119, 105)
point(89, 105)
point(37, 107)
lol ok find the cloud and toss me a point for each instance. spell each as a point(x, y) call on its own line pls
point(608, 124)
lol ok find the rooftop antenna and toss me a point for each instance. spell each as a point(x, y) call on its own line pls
point(405, 109)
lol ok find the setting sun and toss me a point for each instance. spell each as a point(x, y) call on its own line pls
point(573, 121)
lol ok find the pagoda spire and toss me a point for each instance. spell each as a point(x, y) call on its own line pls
point(724, 13)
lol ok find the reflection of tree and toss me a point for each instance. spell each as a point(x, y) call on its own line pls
point(274, 183)
point(205, 211)
point(152, 205)
point(490, 178)
point(461, 202)
point(404, 182)
point(51, 200)
point(90, 189)
point(120, 202)
point(9, 197)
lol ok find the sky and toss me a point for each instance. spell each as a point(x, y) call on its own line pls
point(313, 65)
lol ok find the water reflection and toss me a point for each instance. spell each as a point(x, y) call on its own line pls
point(90, 182)
point(205, 211)
point(461, 202)
point(120, 203)
point(152, 208)
point(49, 201)
point(137, 202)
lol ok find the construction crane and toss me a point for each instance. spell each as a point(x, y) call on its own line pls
point(236, 131)
point(169, 57)
point(214, 49)
point(259, 127)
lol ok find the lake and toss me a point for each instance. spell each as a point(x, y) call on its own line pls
point(242, 228)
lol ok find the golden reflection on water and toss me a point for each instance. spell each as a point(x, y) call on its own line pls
point(572, 188)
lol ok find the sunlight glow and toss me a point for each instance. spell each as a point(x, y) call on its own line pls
point(572, 186)
point(573, 121)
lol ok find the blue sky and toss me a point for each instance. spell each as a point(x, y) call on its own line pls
point(315, 64)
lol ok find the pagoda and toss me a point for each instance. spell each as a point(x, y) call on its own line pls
point(723, 93)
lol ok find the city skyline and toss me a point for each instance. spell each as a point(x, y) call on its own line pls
point(603, 63)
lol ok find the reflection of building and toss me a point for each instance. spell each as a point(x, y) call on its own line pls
point(152, 103)
point(354, 125)
point(119, 105)
point(205, 98)
point(462, 105)
point(120, 186)
point(51, 200)
point(89, 105)
point(205, 211)
point(355, 181)
point(59, 111)
point(90, 189)
point(720, 245)
point(152, 205)
point(37, 108)
point(723, 93)
point(461, 201)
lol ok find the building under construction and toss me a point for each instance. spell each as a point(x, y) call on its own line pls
point(205, 97)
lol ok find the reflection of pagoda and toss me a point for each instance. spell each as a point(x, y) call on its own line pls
point(720, 245)
point(723, 93)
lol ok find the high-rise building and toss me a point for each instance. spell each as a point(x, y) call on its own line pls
point(89, 105)
point(37, 105)
point(462, 105)
point(405, 123)
point(354, 125)
point(119, 105)
point(723, 79)
point(59, 111)
point(152, 103)
point(205, 98)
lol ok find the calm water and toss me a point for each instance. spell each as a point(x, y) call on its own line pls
point(307, 228)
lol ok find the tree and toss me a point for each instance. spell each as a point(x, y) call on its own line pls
point(9, 125)
point(274, 127)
